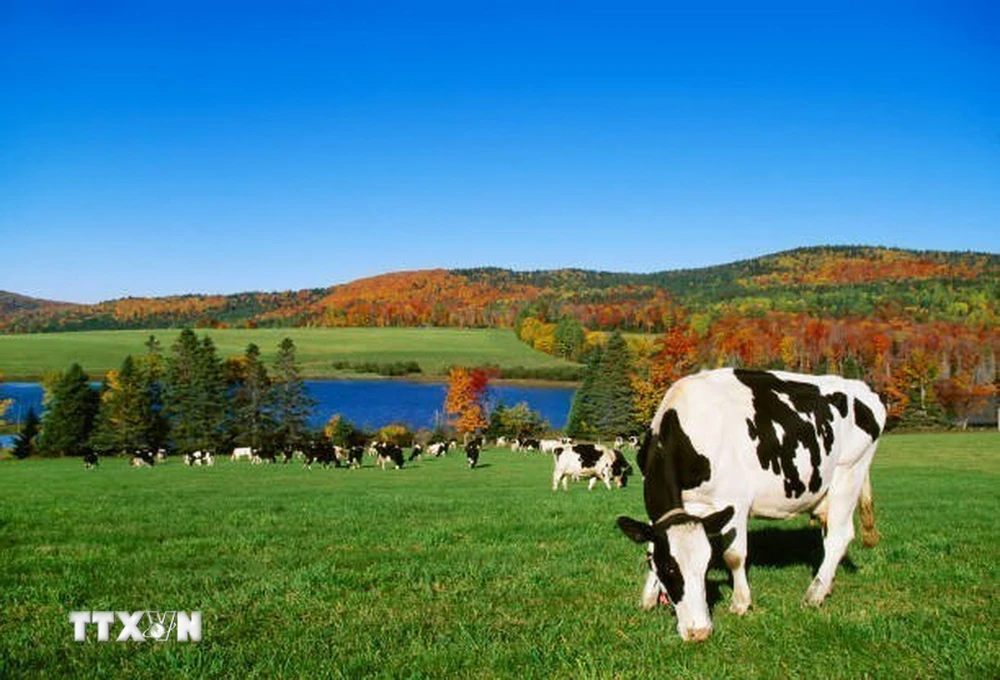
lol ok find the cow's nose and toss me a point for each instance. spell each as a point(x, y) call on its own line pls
point(697, 634)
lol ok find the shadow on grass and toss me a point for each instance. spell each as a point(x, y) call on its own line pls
point(773, 547)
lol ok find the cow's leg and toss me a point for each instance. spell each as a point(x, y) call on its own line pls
point(843, 495)
point(591, 483)
point(735, 557)
point(556, 476)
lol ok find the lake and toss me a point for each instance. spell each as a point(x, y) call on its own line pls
point(367, 403)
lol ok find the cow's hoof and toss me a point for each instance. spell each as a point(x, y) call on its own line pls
point(739, 608)
point(815, 594)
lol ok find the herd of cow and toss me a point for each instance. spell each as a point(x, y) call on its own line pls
point(724, 445)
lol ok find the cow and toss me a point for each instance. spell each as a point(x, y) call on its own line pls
point(354, 455)
point(388, 453)
point(728, 444)
point(90, 460)
point(598, 463)
point(418, 452)
point(319, 449)
point(472, 450)
point(261, 456)
point(199, 458)
point(142, 459)
point(525, 444)
point(438, 448)
point(501, 442)
point(242, 452)
point(550, 445)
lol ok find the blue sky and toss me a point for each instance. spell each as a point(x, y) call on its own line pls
point(153, 148)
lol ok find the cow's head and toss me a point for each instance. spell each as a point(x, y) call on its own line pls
point(679, 553)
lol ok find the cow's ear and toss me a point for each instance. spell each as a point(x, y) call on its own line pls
point(640, 532)
point(717, 520)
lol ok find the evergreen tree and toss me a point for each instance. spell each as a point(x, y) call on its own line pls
point(583, 412)
point(251, 401)
point(570, 338)
point(194, 395)
point(152, 368)
point(72, 406)
point(616, 414)
point(24, 443)
point(292, 403)
point(124, 421)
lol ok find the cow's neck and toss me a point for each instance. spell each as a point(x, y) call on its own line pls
point(672, 465)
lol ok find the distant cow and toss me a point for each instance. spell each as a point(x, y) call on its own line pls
point(319, 449)
point(354, 455)
point(598, 463)
point(526, 444)
point(242, 452)
point(143, 459)
point(418, 452)
point(388, 453)
point(90, 460)
point(729, 444)
point(438, 448)
point(199, 458)
point(472, 450)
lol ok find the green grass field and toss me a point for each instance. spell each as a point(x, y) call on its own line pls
point(27, 357)
point(439, 571)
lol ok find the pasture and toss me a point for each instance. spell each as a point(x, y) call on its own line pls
point(29, 356)
point(439, 571)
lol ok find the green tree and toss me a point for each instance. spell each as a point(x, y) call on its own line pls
point(570, 338)
point(251, 420)
point(72, 407)
point(194, 394)
point(124, 420)
point(151, 367)
point(605, 403)
point(24, 443)
point(583, 412)
point(291, 402)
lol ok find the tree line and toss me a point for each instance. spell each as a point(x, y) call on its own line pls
point(183, 401)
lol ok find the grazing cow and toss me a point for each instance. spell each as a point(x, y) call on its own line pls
point(199, 458)
point(90, 460)
point(354, 456)
point(472, 450)
point(598, 463)
point(526, 444)
point(261, 456)
point(501, 442)
point(438, 448)
point(321, 450)
point(418, 452)
point(242, 452)
point(387, 452)
point(728, 444)
point(550, 445)
point(143, 459)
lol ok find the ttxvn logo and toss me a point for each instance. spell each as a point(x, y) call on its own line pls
point(139, 626)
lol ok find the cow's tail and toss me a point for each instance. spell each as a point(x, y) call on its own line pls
point(866, 512)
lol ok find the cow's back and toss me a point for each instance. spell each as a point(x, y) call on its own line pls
point(767, 439)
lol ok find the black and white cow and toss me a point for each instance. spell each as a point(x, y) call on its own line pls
point(143, 459)
point(199, 458)
point(388, 453)
point(525, 444)
point(90, 460)
point(319, 449)
point(354, 456)
point(728, 444)
point(417, 452)
point(598, 463)
point(472, 451)
point(438, 448)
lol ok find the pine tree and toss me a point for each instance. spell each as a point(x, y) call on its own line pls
point(291, 401)
point(124, 420)
point(251, 401)
point(152, 369)
point(583, 412)
point(72, 406)
point(617, 396)
point(24, 443)
point(194, 395)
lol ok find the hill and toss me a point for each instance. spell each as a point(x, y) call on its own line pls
point(831, 282)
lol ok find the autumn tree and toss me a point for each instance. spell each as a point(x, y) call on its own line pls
point(465, 402)
point(69, 418)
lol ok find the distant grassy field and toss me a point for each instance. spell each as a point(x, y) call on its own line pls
point(27, 357)
point(438, 571)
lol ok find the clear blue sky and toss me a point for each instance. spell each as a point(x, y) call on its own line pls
point(152, 148)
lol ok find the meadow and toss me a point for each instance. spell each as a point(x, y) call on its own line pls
point(441, 571)
point(29, 356)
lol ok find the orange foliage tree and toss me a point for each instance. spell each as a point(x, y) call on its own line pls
point(466, 398)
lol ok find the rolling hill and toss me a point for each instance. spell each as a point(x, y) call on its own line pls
point(829, 282)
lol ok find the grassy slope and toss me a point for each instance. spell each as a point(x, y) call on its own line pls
point(438, 571)
point(29, 356)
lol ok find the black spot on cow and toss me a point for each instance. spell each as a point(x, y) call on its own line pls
point(667, 570)
point(620, 468)
point(805, 417)
point(865, 419)
point(588, 453)
point(671, 464)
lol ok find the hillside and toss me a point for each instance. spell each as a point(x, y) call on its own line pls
point(831, 282)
